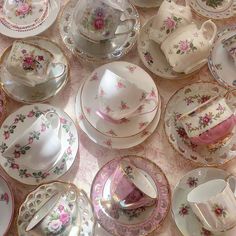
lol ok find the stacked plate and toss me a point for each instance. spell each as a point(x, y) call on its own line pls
point(132, 131)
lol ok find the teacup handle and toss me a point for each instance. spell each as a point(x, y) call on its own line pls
point(56, 70)
point(231, 180)
point(205, 29)
point(125, 22)
point(52, 115)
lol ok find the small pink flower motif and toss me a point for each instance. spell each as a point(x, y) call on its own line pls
point(181, 132)
point(120, 85)
point(170, 23)
point(55, 226)
point(148, 58)
point(219, 211)
point(108, 109)
point(203, 99)
point(61, 208)
point(108, 142)
point(69, 151)
point(131, 68)
point(101, 93)
point(16, 120)
point(94, 77)
point(192, 182)
point(63, 120)
point(123, 106)
point(23, 8)
point(145, 133)
point(16, 154)
point(124, 120)
point(27, 175)
point(23, 51)
point(64, 218)
point(28, 60)
point(30, 140)
point(111, 132)
point(184, 210)
point(40, 58)
point(206, 119)
point(14, 166)
point(31, 114)
point(205, 232)
point(143, 96)
point(6, 135)
point(153, 94)
point(5, 197)
point(140, 109)
point(43, 127)
point(81, 117)
point(184, 45)
point(88, 110)
point(143, 124)
point(99, 23)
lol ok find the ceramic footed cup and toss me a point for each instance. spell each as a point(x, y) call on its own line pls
point(188, 47)
point(210, 123)
point(120, 99)
point(99, 20)
point(130, 188)
point(31, 64)
point(214, 204)
point(169, 17)
point(37, 144)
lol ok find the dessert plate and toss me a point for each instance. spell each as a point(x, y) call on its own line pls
point(41, 92)
point(6, 206)
point(16, 28)
point(220, 63)
point(152, 56)
point(107, 51)
point(184, 100)
point(82, 223)
point(147, 3)
point(217, 10)
point(140, 221)
point(113, 142)
point(69, 138)
point(185, 219)
point(90, 102)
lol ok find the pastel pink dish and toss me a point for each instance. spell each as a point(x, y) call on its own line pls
point(217, 133)
point(130, 188)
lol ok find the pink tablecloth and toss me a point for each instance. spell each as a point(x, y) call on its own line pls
point(92, 157)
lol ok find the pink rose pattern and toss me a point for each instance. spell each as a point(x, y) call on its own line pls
point(185, 47)
point(23, 8)
point(219, 211)
point(170, 24)
point(184, 210)
point(4, 197)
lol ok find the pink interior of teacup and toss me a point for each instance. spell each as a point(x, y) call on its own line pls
point(217, 133)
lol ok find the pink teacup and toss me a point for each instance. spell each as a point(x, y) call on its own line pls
point(209, 123)
point(130, 188)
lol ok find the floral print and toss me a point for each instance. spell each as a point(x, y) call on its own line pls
point(129, 172)
point(199, 98)
point(219, 211)
point(192, 182)
point(170, 24)
point(185, 47)
point(23, 8)
point(184, 210)
point(4, 197)
point(213, 3)
point(123, 106)
point(148, 58)
point(206, 232)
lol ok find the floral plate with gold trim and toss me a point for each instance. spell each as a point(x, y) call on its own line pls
point(77, 220)
point(186, 221)
point(184, 100)
point(141, 221)
point(69, 139)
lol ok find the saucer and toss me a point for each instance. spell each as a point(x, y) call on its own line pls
point(217, 10)
point(90, 102)
point(53, 10)
point(146, 3)
point(185, 219)
point(41, 92)
point(110, 50)
point(220, 63)
point(2, 106)
point(113, 142)
point(83, 221)
point(6, 206)
point(69, 138)
point(152, 56)
point(141, 221)
point(185, 99)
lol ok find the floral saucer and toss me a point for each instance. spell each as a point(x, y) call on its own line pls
point(217, 10)
point(28, 19)
point(6, 206)
point(147, 3)
point(141, 221)
point(69, 138)
point(185, 219)
point(220, 63)
point(114, 142)
point(76, 219)
point(185, 99)
point(111, 50)
point(152, 56)
point(90, 103)
point(41, 92)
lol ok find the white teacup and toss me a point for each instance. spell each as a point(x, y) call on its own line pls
point(99, 20)
point(31, 65)
point(188, 47)
point(170, 16)
point(214, 204)
point(38, 144)
point(119, 98)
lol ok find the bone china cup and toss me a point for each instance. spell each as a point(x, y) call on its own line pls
point(214, 204)
point(37, 144)
point(188, 47)
point(209, 122)
point(130, 188)
point(119, 98)
point(170, 16)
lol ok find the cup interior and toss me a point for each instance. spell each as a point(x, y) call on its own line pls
point(206, 191)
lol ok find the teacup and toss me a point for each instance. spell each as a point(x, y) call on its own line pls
point(209, 122)
point(119, 98)
point(188, 47)
point(170, 16)
point(230, 45)
point(99, 20)
point(31, 65)
point(37, 145)
point(214, 204)
point(130, 188)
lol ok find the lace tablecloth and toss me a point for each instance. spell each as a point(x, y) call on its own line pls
point(92, 157)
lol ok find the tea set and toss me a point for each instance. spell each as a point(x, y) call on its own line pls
point(118, 106)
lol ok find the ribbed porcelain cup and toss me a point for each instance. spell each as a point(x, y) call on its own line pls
point(100, 20)
point(121, 99)
point(38, 146)
point(169, 17)
point(214, 204)
point(130, 188)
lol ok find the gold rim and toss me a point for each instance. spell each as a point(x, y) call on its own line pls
point(57, 91)
point(198, 163)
